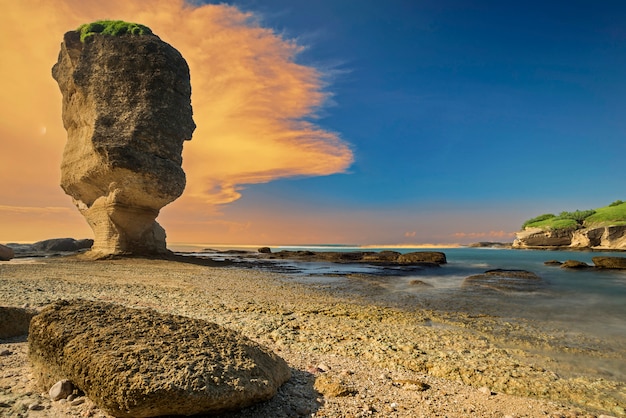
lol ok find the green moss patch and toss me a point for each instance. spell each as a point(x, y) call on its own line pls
point(113, 28)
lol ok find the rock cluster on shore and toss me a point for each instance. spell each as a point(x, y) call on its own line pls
point(601, 262)
point(140, 363)
point(127, 112)
point(424, 258)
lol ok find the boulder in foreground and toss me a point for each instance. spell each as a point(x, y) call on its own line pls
point(141, 363)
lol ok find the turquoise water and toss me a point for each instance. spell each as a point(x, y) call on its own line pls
point(578, 309)
point(589, 300)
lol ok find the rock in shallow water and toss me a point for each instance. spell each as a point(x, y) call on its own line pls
point(505, 280)
point(140, 363)
point(610, 262)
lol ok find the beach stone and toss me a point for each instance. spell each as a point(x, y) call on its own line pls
point(141, 363)
point(552, 263)
point(14, 321)
point(505, 280)
point(610, 262)
point(127, 111)
point(333, 386)
point(61, 390)
point(6, 253)
point(574, 264)
point(265, 250)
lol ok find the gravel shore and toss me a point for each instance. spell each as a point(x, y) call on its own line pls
point(349, 357)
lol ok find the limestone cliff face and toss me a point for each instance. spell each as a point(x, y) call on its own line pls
point(599, 238)
point(127, 111)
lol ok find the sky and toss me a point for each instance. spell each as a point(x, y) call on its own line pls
point(345, 121)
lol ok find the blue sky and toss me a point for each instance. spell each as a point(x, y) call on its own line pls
point(464, 107)
point(463, 118)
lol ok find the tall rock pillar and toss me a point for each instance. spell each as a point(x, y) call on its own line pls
point(127, 111)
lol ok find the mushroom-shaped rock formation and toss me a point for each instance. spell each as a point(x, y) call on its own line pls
point(127, 111)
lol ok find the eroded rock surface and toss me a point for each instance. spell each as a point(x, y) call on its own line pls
point(127, 112)
point(140, 363)
point(610, 262)
point(14, 321)
point(505, 280)
point(599, 238)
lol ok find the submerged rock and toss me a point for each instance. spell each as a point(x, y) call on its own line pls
point(506, 280)
point(140, 363)
point(127, 112)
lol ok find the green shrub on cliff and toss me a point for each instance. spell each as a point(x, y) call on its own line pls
point(112, 27)
point(614, 214)
point(538, 219)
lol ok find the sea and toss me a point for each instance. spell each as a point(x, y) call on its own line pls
point(585, 302)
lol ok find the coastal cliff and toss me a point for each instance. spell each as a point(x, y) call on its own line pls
point(596, 238)
point(595, 229)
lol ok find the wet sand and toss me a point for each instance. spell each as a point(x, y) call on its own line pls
point(391, 361)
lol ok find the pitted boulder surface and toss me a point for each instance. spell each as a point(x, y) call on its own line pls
point(141, 363)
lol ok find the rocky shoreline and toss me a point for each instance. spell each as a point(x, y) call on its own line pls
point(348, 357)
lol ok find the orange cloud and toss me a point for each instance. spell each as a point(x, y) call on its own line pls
point(251, 99)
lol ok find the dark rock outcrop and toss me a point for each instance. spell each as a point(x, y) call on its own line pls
point(610, 262)
point(140, 363)
point(6, 253)
point(574, 264)
point(62, 244)
point(505, 280)
point(14, 321)
point(50, 247)
point(424, 258)
point(127, 112)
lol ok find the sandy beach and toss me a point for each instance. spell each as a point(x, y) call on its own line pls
point(380, 359)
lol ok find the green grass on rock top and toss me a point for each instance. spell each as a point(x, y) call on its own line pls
point(613, 214)
point(113, 28)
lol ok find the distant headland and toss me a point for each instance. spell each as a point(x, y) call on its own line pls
point(594, 229)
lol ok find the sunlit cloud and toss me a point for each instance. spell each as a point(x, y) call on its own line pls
point(254, 105)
